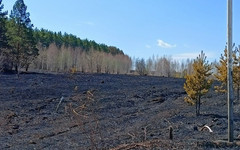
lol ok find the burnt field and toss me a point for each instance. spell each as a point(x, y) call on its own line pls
point(100, 111)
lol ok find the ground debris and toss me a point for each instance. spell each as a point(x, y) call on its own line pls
point(122, 112)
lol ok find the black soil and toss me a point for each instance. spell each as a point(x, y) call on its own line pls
point(100, 111)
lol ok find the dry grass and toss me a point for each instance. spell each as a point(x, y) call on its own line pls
point(80, 110)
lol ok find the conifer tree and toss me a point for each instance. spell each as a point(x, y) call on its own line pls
point(4, 60)
point(236, 72)
point(221, 74)
point(198, 83)
point(3, 30)
point(20, 33)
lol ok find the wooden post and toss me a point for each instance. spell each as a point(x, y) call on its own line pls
point(170, 132)
point(229, 72)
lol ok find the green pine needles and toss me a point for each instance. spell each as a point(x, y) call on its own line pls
point(20, 33)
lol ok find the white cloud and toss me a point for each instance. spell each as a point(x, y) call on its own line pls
point(147, 46)
point(163, 44)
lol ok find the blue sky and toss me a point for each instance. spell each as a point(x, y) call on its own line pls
point(141, 28)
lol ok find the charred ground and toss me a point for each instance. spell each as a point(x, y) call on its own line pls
point(101, 111)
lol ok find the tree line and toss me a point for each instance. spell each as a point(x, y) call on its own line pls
point(21, 46)
point(63, 52)
point(46, 38)
point(163, 66)
point(64, 59)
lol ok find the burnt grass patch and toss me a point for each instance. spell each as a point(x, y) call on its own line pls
point(103, 111)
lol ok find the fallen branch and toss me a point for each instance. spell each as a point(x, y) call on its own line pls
point(133, 136)
point(145, 132)
point(206, 127)
point(74, 111)
point(62, 98)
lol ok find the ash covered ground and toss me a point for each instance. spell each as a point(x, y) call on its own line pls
point(102, 111)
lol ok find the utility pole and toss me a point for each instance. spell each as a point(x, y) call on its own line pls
point(229, 71)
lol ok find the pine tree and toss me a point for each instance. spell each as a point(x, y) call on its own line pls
point(4, 59)
point(3, 30)
point(20, 14)
point(30, 52)
point(221, 74)
point(20, 33)
point(198, 83)
point(236, 72)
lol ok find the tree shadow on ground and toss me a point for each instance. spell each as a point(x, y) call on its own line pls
point(215, 116)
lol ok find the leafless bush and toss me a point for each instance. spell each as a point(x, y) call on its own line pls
point(141, 67)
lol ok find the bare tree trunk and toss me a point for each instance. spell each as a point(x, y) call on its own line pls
point(17, 71)
point(16, 68)
point(27, 67)
point(238, 93)
point(41, 64)
point(83, 69)
point(198, 106)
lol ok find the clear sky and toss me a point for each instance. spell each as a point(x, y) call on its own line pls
point(141, 28)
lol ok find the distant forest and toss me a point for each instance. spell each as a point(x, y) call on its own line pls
point(63, 52)
point(22, 47)
point(46, 38)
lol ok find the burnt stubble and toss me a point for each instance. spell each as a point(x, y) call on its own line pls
point(103, 111)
